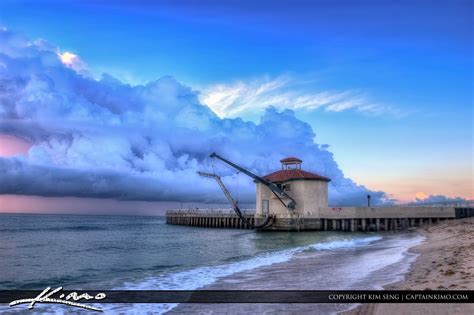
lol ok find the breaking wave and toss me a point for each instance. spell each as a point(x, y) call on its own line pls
point(203, 276)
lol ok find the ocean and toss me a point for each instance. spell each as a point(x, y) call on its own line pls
point(144, 253)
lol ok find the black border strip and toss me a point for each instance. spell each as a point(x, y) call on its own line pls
point(260, 296)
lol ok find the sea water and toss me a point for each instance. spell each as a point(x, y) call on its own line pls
point(144, 253)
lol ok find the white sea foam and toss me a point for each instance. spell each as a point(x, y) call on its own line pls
point(200, 277)
point(394, 253)
point(346, 243)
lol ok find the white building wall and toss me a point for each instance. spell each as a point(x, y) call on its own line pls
point(310, 195)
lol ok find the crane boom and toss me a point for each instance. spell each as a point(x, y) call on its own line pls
point(273, 187)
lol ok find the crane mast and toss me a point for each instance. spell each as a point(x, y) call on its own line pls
point(222, 186)
point(268, 221)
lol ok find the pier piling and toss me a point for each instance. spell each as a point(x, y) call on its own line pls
point(330, 221)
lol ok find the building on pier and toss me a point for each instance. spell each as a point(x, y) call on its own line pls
point(309, 189)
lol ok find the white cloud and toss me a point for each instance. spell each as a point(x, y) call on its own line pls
point(240, 97)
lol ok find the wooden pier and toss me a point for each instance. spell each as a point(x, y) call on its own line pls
point(225, 218)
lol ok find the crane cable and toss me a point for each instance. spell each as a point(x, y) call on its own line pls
point(237, 176)
point(269, 221)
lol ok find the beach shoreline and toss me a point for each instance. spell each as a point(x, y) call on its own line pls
point(376, 261)
point(445, 261)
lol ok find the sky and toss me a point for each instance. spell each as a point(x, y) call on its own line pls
point(374, 94)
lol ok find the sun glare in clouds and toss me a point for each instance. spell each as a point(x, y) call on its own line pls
point(68, 58)
point(420, 195)
point(72, 61)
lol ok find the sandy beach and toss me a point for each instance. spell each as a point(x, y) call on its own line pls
point(445, 262)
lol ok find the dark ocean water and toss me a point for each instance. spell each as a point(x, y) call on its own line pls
point(137, 252)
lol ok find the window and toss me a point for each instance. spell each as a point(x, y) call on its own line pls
point(287, 187)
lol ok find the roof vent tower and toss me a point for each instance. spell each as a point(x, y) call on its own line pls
point(291, 163)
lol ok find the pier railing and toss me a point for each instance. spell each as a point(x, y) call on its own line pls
point(217, 218)
point(223, 212)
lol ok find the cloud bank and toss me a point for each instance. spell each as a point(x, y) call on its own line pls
point(438, 199)
point(107, 139)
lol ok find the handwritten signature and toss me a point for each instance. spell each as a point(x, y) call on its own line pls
point(71, 299)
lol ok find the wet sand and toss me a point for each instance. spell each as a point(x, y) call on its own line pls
point(369, 266)
point(445, 262)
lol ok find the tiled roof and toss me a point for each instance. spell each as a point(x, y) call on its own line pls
point(288, 175)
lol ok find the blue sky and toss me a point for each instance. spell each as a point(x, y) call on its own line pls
point(404, 123)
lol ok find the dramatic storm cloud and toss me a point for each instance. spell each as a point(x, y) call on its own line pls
point(107, 139)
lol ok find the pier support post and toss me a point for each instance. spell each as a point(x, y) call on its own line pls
point(364, 223)
point(353, 225)
point(377, 224)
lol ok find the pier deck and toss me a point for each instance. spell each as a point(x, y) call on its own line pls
point(223, 218)
point(327, 219)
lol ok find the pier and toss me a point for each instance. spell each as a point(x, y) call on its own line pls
point(210, 218)
point(292, 199)
point(350, 219)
